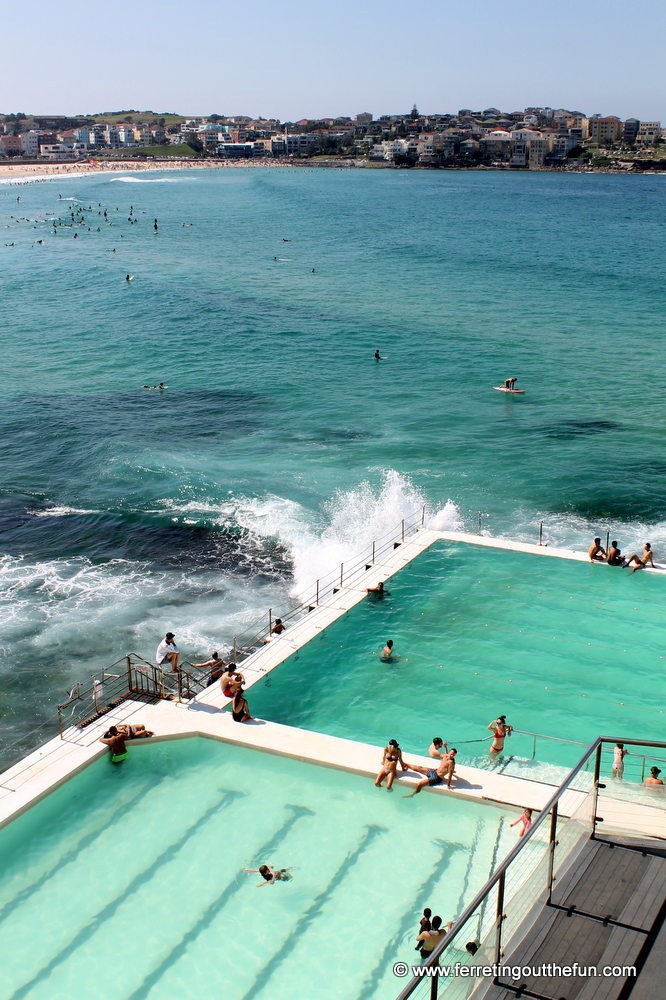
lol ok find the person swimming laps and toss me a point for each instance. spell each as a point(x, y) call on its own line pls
point(271, 875)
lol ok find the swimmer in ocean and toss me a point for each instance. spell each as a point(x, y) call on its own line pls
point(271, 875)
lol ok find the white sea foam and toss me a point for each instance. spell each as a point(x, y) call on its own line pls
point(347, 526)
point(62, 511)
point(565, 530)
point(151, 180)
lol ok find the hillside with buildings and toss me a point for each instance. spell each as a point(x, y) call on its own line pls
point(535, 138)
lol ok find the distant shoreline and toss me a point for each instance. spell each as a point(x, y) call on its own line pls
point(33, 173)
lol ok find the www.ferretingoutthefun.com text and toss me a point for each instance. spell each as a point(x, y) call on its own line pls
point(514, 972)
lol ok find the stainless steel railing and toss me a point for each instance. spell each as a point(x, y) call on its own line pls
point(542, 853)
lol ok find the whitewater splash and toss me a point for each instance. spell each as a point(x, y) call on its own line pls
point(348, 524)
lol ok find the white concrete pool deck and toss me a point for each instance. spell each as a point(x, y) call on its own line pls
point(58, 760)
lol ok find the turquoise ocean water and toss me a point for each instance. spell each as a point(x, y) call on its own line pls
point(280, 446)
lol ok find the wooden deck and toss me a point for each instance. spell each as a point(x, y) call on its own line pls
point(606, 910)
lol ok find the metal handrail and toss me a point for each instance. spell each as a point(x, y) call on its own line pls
point(333, 581)
point(499, 875)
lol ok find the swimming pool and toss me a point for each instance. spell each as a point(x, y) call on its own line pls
point(564, 648)
point(127, 882)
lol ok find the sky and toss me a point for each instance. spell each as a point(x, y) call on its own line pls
point(307, 59)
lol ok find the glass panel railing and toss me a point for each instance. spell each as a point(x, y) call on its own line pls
point(473, 948)
point(526, 886)
point(631, 802)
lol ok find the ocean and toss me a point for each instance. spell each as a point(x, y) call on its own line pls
point(280, 446)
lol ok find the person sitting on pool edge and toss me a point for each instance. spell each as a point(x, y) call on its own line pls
point(240, 710)
point(642, 562)
point(391, 758)
point(596, 552)
point(168, 650)
point(615, 557)
point(445, 769)
point(378, 591)
point(116, 744)
point(277, 629)
point(231, 680)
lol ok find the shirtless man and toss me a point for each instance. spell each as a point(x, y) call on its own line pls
point(438, 748)
point(116, 744)
point(378, 591)
point(445, 769)
point(231, 680)
point(596, 552)
point(654, 782)
point(615, 557)
point(216, 664)
point(430, 939)
point(641, 563)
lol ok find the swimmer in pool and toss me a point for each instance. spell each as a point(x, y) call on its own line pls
point(387, 655)
point(378, 591)
point(271, 875)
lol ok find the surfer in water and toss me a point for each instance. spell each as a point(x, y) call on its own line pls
point(510, 383)
point(377, 355)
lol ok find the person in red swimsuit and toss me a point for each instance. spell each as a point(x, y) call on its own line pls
point(500, 731)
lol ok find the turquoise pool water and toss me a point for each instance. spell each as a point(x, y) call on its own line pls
point(562, 648)
point(127, 883)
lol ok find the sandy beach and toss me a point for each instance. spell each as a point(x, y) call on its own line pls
point(21, 173)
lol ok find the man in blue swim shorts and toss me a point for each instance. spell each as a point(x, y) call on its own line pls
point(444, 770)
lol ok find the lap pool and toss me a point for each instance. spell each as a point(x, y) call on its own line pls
point(564, 648)
point(127, 882)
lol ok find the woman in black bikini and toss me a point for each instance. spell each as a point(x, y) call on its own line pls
point(240, 710)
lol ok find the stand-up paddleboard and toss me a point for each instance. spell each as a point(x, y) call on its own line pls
point(503, 388)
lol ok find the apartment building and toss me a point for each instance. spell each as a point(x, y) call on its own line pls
point(605, 129)
point(648, 133)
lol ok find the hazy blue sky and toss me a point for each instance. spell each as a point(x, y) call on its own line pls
point(295, 58)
